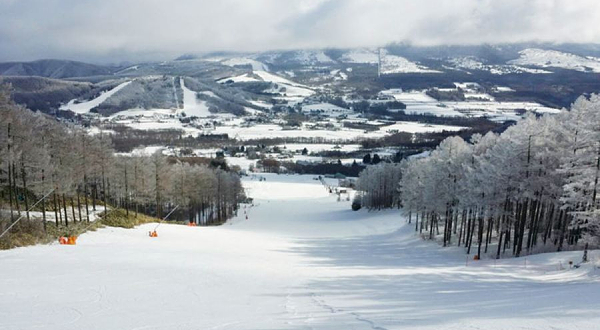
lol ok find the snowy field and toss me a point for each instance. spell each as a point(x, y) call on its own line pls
point(477, 105)
point(302, 260)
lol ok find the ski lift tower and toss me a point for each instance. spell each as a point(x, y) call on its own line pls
point(379, 62)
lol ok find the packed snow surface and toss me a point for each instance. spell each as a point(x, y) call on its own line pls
point(85, 107)
point(302, 260)
point(256, 65)
point(192, 106)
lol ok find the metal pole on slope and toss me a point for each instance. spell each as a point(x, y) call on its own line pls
point(165, 218)
point(21, 217)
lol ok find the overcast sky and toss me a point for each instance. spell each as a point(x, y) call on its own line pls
point(118, 30)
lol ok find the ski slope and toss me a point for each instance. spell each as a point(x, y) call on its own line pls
point(302, 260)
point(192, 106)
point(85, 107)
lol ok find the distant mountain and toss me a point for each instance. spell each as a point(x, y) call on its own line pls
point(54, 69)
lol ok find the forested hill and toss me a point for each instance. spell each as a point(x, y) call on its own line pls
point(53, 69)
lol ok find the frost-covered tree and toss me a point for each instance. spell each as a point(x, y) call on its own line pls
point(533, 186)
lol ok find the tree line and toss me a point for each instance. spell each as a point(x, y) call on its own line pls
point(533, 188)
point(77, 171)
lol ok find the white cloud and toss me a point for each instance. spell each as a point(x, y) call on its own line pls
point(105, 30)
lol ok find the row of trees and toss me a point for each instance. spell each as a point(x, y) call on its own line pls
point(40, 156)
point(378, 186)
point(532, 188)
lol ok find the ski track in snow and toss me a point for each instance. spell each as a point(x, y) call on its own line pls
point(302, 260)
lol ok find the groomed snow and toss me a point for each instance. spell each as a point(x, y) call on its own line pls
point(85, 107)
point(192, 106)
point(302, 260)
point(241, 78)
point(256, 65)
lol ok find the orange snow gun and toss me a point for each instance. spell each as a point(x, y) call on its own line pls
point(71, 240)
point(192, 224)
point(153, 234)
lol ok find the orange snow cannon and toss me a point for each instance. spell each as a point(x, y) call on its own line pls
point(153, 234)
point(71, 240)
point(192, 224)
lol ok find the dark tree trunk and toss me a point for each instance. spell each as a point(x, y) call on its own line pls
point(65, 208)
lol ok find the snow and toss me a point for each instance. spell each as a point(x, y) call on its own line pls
point(321, 147)
point(256, 65)
point(37, 215)
point(144, 151)
point(326, 108)
point(338, 134)
point(397, 64)
point(412, 127)
point(237, 79)
point(389, 63)
point(302, 260)
point(477, 104)
point(361, 56)
point(479, 96)
point(85, 107)
point(473, 63)
point(551, 58)
point(161, 124)
point(293, 89)
point(503, 89)
point(192, 106)
point(311, 57)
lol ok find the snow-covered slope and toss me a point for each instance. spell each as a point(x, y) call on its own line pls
point(398, 64)
point(311, 57)
point(191, 105)
point(241, 78)
point(85, 107)
point(389, 63)
point(473, 63)
point(368, 56)
point(292, 88)
point(552, 58)
point(256, 65)
point(302, 260)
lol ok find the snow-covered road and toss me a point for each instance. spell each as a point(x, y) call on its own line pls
point(302, 260)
